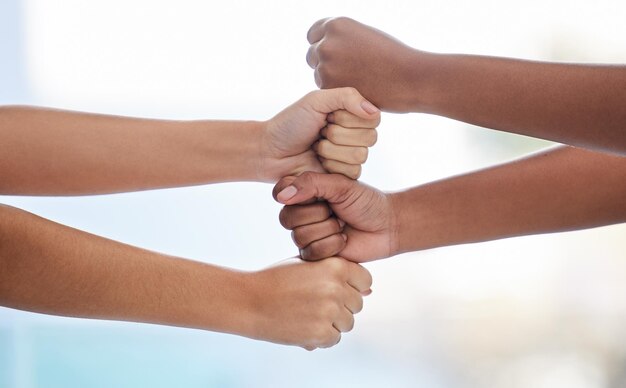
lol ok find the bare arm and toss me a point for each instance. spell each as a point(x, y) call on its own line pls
point(49, 268)
point(53, 152)
point(575, 104)
point(58, 152)
point(553, 191)
point(556, 190)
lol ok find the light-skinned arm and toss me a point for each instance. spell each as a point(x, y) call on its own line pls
point(50, 268)
point(577, 104)
point(557, 190)
point(55, 152)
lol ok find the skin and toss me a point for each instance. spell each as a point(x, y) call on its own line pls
point(53, 269)
point(576, 104)
point(49, 268)
point(557, 190)
point(54, 152)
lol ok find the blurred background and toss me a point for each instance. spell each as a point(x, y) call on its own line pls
point(539, 311)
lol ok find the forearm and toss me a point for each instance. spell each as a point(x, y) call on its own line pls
point(49, 268)
point(52, 152)
point(556, 190)
point(580, 105)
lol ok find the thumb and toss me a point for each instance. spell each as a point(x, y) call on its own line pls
point(330, 100)
point(311, 185)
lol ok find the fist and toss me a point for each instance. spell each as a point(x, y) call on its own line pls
point(344, 52)
point(308, 304)
point(356, 222)
point(325, 131)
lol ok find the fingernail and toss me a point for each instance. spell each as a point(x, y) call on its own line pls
point(369, 107)
point(367, 292)
point(345, 236)
point(341, 223)
point(287, 193)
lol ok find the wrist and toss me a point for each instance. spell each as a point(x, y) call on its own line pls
point(413, 223)
point(267, 163)
point(419, 88)
point(253, 322)
point(396, 242)
point(233, 309)
point(271, 163)
point(211, 151)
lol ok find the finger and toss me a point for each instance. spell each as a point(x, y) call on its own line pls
point(348, 120)
point(306, 234)
point(281, 185)
point(329, 100)
point(352, 171)
point(316, 32)
point(314, 185)
point(293, 216)
point(359, 278)
point(344, 321)
point(318, 78)
point(324, 248)
point(311, 56)
point(347, 154)
point(332, 338)
point(284, 183)
point(354, 300)
point(363, 137)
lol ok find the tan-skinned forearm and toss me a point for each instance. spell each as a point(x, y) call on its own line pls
point(575, 104)
point(556, 190)
point(50, 268)
point(53, 152)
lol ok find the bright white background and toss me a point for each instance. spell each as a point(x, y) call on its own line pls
point(542, 311)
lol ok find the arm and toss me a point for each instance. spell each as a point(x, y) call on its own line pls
point(53, 152)
point(53, 269)
point(557, 190)
point(576, 104)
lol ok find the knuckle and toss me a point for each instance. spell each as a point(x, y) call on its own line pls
point(324, 49)
point(285, 218)
point(298, 238)
point(307, 178)
point(325, 248)
point(323, 147)
point(376, 121)
point(332, 291)
point(336, 23)
point(350, 324)
point(318, 78)
point(360, 154)
point(329, 166)
point(350, 91)
point(321, 335)
point(372, 137)
point(336, 265)
point(368, 278)
point(329, 312)
point(323, 72)
point(331, 132)
point(359, 307)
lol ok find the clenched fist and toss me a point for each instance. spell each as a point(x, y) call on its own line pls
point(344, 52)
point(356, 222)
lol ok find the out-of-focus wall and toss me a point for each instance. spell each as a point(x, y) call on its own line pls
point(539, 311)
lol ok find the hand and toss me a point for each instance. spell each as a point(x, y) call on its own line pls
point(308, 304)
point(364, 227)
point(345, 52)
point(347, 122)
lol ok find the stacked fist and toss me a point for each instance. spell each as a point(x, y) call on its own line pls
point(317, 300)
